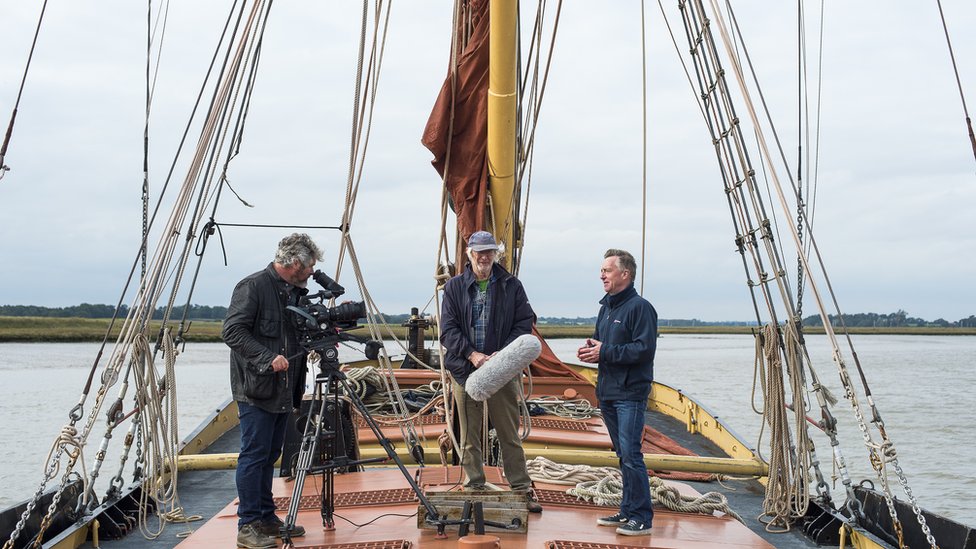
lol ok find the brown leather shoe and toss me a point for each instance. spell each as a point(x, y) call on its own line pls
point(250, 537)
point(272, 527)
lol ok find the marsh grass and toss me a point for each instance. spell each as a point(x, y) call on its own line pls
point(45, 329)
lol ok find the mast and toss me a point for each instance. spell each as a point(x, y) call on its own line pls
point(502, 89)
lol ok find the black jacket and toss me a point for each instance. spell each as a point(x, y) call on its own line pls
point(626, 327)
point(510, 316)
point(257, 329)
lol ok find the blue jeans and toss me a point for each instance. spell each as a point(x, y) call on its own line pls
point(262, 434)
point(625, 421)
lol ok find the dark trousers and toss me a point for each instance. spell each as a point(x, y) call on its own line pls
point(625, 421)
point(262, 434)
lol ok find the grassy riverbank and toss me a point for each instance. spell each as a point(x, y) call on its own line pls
point(43, 329)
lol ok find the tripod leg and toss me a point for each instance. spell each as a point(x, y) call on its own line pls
point(388, 446)
point(328, 485)
point(310, 438)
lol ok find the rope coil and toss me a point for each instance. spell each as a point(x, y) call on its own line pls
point(604, 486)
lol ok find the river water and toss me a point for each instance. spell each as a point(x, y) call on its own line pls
point(923, 386)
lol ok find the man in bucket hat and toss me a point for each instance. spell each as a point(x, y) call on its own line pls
point(485, 308)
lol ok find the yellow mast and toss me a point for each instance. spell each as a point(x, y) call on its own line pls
point(502, 89)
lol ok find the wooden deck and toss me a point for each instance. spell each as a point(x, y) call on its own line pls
point(561, 524)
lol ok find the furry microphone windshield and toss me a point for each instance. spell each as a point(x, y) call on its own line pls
point(501, 368)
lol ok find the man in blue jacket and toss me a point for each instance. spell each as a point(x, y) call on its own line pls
point(485, 309)
point(623, 346)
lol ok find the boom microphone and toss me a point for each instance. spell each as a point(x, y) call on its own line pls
point(501, 368)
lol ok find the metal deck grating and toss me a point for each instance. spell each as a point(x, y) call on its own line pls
point(568, 544)
point(351, 499)
point(427, 419)
point(387, 544)
point(560, 424)
point(559, 497)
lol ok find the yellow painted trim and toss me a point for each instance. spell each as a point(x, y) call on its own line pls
point(76, 539)
point(596, 458)
point(221, 421)
point(206, 462)
point(502, 95)
point(606, 458)
point(860, 540)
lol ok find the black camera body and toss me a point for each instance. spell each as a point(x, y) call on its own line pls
point(320, 327)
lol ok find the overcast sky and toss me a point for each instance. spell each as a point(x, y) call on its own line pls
point(895, 195)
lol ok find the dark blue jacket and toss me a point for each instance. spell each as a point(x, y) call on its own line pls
point(627, 329)
point(510, 316)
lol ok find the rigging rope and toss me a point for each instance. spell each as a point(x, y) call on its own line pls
point(753, 229)
point(787, 496)
point(131, 344)
point(20, 91)
point(955, 69)
point(738, 163)
point(524, 168)
point(643, 147)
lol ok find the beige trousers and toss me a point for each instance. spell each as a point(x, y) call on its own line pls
point(503, 411)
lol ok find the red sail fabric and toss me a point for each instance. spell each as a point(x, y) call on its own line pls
point(466, 100)
point(548, 364)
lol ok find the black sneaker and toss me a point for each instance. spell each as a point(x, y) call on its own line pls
point(618, 519)
point(634, 528)
point(272, 527)
point(251, 537)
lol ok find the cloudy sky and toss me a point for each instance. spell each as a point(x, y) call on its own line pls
point(895, 193)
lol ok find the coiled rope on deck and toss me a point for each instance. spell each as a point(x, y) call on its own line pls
point(578, 408)
point(604, 486)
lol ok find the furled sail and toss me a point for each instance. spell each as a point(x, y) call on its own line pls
point(457, 130)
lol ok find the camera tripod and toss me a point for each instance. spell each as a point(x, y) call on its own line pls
point(325, 400)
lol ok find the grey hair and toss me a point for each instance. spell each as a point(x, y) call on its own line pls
point(625, 261)
point(297, 247)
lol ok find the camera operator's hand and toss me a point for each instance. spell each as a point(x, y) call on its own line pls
point(279, 364)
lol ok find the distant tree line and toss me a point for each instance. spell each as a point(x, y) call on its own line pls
point(89, 310)
point(591, 320)
point(898, 319)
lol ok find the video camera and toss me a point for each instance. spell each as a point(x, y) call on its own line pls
point(319, 326)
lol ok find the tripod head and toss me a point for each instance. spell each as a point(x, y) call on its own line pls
point(327, 347)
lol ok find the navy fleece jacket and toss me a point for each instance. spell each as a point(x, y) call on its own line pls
point(627, 330)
